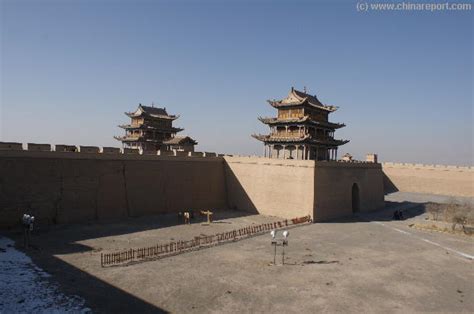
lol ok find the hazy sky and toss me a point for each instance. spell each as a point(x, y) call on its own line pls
point(403, 80)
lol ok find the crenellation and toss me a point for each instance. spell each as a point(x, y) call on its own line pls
point(181, 153)
point(89, 149)
point(110, 150)
point(130, 151)
point(11, 146)
point(65, 148)
point(426, 166)
point(166, 153)
point(196, 154)
point(38, 147)
point(99, 151)
point(148, 152)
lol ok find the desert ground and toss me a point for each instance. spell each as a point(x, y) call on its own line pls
point(365, 263)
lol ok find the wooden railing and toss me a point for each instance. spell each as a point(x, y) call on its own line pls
point(177, 247)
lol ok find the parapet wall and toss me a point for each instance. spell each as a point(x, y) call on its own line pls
point(66, 186)
point(80, 183)
point(270, 186)
point(342, 188)
point(430, 179)
point(292, 188)
point(61, 148)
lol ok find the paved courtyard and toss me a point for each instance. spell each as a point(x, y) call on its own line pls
point(364, 264)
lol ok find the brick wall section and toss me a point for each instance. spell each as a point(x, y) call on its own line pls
point(430, 179)
point(275, 187)
point(333, 188)
point(289, 188)
point(64, 187)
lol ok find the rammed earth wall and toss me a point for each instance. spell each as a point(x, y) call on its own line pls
point(66, 187)
point(293, 188)
point(89, 184)
point(431, 179)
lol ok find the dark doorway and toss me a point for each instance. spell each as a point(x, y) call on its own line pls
point(355, 198)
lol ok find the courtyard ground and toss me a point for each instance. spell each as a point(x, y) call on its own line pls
point(367, 263)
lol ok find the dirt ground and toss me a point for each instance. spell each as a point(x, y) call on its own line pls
point(367, 263)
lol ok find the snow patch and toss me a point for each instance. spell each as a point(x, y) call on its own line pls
point(24, 288)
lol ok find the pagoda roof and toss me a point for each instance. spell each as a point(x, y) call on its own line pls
point(272, 138)
point(303, 139)
point(179, 140)
point(149, 127)
point(303, 120)
point(299, 98)
point(137, 139)
point(151, 111)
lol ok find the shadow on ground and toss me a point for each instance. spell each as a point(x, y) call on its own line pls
point(99, 295)
point(74, 233)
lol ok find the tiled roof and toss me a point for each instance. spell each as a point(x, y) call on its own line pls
point(151, 111)
point(305, 119)
point(296, 98)
point(177, 140)
point(306, 138)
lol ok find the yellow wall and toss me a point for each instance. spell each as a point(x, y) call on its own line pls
point(430, 179)
point(74, 187)
point(333, 188)
point(270, 186)
point(291, 188)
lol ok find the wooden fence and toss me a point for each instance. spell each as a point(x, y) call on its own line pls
point(177, 247)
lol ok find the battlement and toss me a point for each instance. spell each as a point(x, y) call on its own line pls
point(65, 150)
point(426, 167)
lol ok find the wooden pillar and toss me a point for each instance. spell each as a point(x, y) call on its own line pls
point(336, 154)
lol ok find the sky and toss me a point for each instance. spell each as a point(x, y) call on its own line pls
point(403, 80)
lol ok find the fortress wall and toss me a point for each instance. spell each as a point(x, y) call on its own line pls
point(431, 179)
point(333, 188)
point(65, 187)
point(74, 184)
point(270, 186)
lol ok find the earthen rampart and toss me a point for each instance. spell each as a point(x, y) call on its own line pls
point(430, 179)
point(69, 183)
point(89, 183)
point(276, 187)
